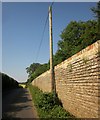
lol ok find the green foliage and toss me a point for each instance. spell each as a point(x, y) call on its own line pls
point(41, 69)
point(47, 101)
point(75, 37)
point(69, 66)
point(46, 105)
point(34, 70)
point(85, 60)
point(59, 112)
point(8, 82)
point(96, 11)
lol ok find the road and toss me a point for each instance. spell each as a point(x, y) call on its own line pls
point(18, 104)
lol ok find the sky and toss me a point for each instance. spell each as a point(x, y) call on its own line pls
point(22, 29)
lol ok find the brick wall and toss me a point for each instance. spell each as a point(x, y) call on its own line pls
point(77, 82)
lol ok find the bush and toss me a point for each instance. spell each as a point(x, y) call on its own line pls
point(8, 83)
point(46, 105)
point(46, 101)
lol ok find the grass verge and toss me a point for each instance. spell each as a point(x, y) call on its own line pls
point(46, 106)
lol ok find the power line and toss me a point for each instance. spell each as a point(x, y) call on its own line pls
point(52, 4)
point(43, 33)
point(42, 37)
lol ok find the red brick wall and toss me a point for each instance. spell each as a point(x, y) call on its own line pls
point(77, 82)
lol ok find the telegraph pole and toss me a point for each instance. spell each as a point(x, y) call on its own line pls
point(53, 85)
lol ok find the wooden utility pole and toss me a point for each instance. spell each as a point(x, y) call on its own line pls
point(53, 85)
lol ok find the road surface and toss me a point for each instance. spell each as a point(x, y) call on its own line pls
point(18, 104)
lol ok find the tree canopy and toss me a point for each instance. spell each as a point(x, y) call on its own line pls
point(34, 70)
point(96, 11)
point(74, 37)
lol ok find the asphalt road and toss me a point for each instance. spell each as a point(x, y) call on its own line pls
point(18, 104)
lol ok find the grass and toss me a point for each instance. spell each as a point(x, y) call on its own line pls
point(46, 106)
point(22, 85)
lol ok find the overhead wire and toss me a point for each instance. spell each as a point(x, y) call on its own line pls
point(52, 4)
point(42, 37)
point(43, 33)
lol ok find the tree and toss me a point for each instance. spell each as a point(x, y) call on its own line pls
point(75, 37)
point(34, 70)
point(96, 11)
point(31, 69)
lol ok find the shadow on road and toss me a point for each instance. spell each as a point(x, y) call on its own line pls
point(16, 103)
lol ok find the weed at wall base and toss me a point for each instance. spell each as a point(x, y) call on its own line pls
point(46, 106)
